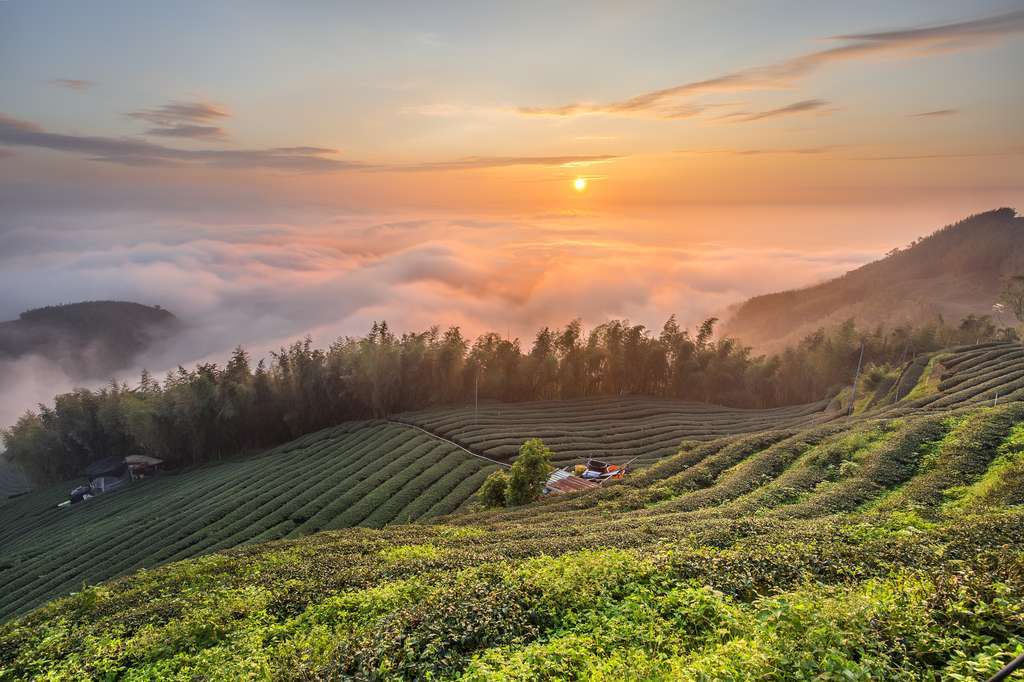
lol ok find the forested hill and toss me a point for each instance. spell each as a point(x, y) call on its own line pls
point(89, 339)
point(954, 272)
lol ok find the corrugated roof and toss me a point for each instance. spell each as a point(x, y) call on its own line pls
point(569, 484)
point(145, 460)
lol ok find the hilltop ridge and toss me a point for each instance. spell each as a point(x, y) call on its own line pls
point(954, 272)
point(89, 339)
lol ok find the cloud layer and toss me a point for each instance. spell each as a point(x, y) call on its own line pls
point(264, 285)
point(133, 152)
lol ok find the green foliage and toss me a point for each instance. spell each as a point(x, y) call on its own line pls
point(929, 380)
point(1003, 481)
point(402, 553)
point(1012, 295)
point(529, 473)
point(494, 491)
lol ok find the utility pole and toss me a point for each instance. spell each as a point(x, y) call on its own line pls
point(853, 392)
point(476, 398)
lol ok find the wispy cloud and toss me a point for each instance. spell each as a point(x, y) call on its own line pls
point(762, 151)
point(73, 83)
point(938, 113)
point(938, 155)
point(788, 110)
point(672, 102)
point(183, 120)
point(18, 133)
point(187, 130)
point(177, 112)
point(475, 162)
point(134, 152)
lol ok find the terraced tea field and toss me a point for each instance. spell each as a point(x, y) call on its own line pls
point(353, 475)
point(972, 375)
point(612, 429)
point(874, 548)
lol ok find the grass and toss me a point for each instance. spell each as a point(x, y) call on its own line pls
point(928, 383)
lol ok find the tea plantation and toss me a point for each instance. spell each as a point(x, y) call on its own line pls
point(887, 545)
point(646, 429)
point(357, 474)
point(612, 429)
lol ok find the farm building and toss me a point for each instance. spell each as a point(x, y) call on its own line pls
point(141, 466)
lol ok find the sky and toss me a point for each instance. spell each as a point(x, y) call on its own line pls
point(267, 169)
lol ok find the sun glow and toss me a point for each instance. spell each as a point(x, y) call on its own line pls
point(580, 184)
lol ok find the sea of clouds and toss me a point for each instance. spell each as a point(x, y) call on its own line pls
point(262, 284)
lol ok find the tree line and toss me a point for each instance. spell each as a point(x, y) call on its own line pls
point(212, 411)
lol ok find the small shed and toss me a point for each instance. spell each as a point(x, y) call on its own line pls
point(583, 476)
point(141, 466)
point(562, 481)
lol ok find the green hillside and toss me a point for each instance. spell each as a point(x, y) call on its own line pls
point(614, 429)
point(356, 474)
point(882, 546)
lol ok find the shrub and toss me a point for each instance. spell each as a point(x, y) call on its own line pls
point(494, 490)
point(529, 473)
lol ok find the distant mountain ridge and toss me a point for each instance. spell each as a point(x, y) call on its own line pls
point(956, 271)
point(88, 340)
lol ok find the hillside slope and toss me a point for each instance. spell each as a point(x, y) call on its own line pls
point(364, 474)
point(89, 339)
point(355, 474)
point(954, 272)
point(883, 546)
point(876, 548)
point(630, 428)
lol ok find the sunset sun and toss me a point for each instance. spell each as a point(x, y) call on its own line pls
point(579, 184)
